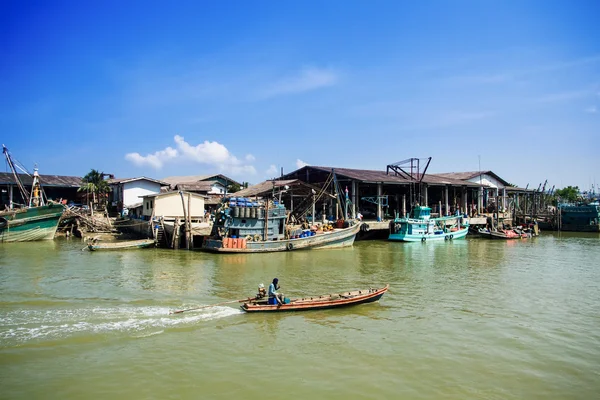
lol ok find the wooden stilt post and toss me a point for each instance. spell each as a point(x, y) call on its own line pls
point(190, 233)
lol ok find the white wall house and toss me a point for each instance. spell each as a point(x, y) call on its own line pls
point(488, 181)
point(128, 192)
point(170, 205)
point(217, 188)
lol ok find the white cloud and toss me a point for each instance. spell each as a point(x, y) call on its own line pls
point(300, 163)
point(155, 160)
point(591, 110)
point(272, 171)
point(210, 153)
point(308, 79)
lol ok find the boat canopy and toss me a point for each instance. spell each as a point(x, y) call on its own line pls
point(421, 212)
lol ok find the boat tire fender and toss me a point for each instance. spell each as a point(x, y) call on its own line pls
point(423, 239)
point(451, 237)
point(290, 246)
point(446, 237)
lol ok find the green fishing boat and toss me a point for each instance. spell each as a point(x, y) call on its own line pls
point(38, 220)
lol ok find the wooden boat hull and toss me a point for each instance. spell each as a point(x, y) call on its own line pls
point(446, 236)
point(29, 224)
point(343, 299)
point(125, 245)
point(504, 236)
point(337, 238)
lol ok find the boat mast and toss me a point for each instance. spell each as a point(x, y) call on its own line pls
point(36, 199)
point(11, 164)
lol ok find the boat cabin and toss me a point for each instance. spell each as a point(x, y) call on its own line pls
point(242, 218)
point(420, 212)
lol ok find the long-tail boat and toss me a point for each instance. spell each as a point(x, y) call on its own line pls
point(342, 299)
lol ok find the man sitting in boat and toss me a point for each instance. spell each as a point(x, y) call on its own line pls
point(274, 297)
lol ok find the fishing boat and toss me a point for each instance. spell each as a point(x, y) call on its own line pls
point(579, 217)
point(94, 244)
point(479, 232)
point(420, 227)
point(336, 300)
point(244, 226)
point(37, 220)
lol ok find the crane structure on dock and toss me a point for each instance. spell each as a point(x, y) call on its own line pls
point(410, 169)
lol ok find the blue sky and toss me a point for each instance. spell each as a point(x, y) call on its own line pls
point(246, 88)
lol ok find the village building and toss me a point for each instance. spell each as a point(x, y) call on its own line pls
point(215, 187)
point(56, 188)
point(382, 194)
point(175, 215)
point(127, 193)
point(492, 188)
point(172, 205)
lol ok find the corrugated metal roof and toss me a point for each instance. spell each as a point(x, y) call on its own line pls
point(213, 201)
point(202, 186)
point(7, 178)
point(262, 188)
point(365, 175)
point(174, 192)
point(140, 178)
point(173, 180)
point(471, 174)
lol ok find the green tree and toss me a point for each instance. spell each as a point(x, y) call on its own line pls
point(234, 187)
point(569, 194)
point(93, 182)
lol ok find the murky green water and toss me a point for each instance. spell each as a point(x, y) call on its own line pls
point(471, 319)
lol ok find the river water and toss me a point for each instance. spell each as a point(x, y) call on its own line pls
point(470, 319)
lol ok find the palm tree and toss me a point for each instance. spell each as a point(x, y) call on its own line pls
point(93, 182)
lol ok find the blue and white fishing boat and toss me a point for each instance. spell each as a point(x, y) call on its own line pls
point(420, 227)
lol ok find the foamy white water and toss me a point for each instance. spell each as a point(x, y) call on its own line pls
point(22, 326)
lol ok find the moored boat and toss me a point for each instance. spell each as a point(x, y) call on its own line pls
point(37, 220)
point(579, 217)
point(94, 245)
point(508, 234)
point(342, 299)
point(243, 226)
point(420, 227)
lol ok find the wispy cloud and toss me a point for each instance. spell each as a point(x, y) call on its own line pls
point(213, 154)
point(306, 80)
point(271, 171)
point(482, 79)
point(591, 110)
point(507, 75)
point(563, 96)
point(300, 163)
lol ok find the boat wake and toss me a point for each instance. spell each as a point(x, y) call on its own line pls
point(23, 326)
